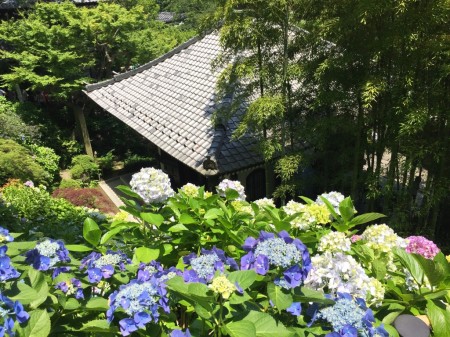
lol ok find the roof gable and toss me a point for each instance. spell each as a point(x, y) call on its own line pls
point(171, 100)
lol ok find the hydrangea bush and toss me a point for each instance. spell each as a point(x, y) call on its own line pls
point(196, 263)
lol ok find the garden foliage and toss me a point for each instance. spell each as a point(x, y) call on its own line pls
point(197, 263)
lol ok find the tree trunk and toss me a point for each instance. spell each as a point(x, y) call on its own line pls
point(79, 116)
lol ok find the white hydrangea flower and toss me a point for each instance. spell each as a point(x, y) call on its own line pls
point(190, 190)
point(334, 242)
point(333, 197)
point(231, 184)
point(382, 238)
point(264, 202)
point(311, 215)
point(152, 185)
point(342, 273)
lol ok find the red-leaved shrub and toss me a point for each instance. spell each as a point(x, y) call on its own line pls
point(88, 197)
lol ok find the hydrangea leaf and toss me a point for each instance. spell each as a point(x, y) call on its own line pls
point(26, 294)
point(144, 254)
point(409, 262)
point(244, 278)
point(186, 219)
point(231, 194)
point(178, 228)
point(39, 284)
point(365, 218)
point(266, 326)
point(127, 191)
point(78, 248)
point(436, 270)
point(98, 325)
point(346, 209)
point(91, 232)
point(439, 317)
point(240, 329)
point(97, 303)
point(37, 326)
point(152, 218)
point(213, 213)
point(281, 298)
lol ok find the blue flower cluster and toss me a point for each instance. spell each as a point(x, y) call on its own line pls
point(7, 271)
point(204, 266)
point(282, 251)
point(5, 236)
point(47, 254)
point(180, 333)
point(100, 266)
point(141, 298)
point(71, 287)
point(9, 308)
point(349, 317)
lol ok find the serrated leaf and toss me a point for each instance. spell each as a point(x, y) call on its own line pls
point(213, 213)
point(279, 297)
point(153, 218)
point(266, 326)
point(144, 254)
point(178, 228)
point(365, 218)
point(241, 329)
point(91, 232)
point(98, 325)
point(97, 303)
point(244, 278)
point(37, 326)
point(439, 318)
point(409, 262)
point(186, 219)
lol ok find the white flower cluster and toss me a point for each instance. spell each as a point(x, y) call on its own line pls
point(152, 185)
point(334, 242)
point(311, 215)
point(231, 184)
point(190, 190)
point(333, 197)
point(342, 273)
point(264, 202)
point(382, 238)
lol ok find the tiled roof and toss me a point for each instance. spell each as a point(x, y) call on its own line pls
point(170, 101)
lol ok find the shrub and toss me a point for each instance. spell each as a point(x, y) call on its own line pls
point(87, 197)
point(135, 162)
point(47, 158)
point(44, 215)
point(106, 162)
point(17, 162)
point(68, 183)
point(84, 168)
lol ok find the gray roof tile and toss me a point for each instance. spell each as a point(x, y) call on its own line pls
point(171, 100)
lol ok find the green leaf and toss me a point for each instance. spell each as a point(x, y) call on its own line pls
point(153, 218)
point(39, 284)
point(127, 190)
point(144, 254)
point(436, 270)
point(186, 219)
point(71, 304)
point(266, 326)
point(26, 294)
point(364, 218)
point(98, 325)
point(178, 228)
point(110, 234)
point(91, 232)
point(379, 269)
point(439, 318)
point(240, 329)
point(78, 248)
point(231, 194)
point(244, 278)
point(280, 297)
point(409, 262)
point(346, 209)
point(97, 303)
point(213, 213)
point(37, 326)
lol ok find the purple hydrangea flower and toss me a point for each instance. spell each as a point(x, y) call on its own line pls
point(47, 254)
point(71, 287)
point(180, 333)
point(204, 266)
point(7, 271)
point(295, 309)
point(141, 300)
point(5, 236)
point(286, 254)
point(8, 309)
point(100, 266)
point(28, 183)
point(422, 246)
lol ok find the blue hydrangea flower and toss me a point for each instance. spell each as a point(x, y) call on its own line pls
point(180, 333)
point(100, 266)
point(284, 253)
point(5, 236)
point(47, 254)
point(154, 269)
point(204, 266)
point(71, 287)
point(349, 316)
point(9, 309)
point(141, 301)
point(295, 309)
point(7, 271)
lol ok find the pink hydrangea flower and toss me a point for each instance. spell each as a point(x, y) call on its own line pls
point(29, 183)
point(355, 238)
point(422, 246)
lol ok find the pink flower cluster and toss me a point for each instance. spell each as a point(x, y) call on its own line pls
point(422, 246)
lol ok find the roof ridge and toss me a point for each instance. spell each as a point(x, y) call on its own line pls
point(125, 75)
